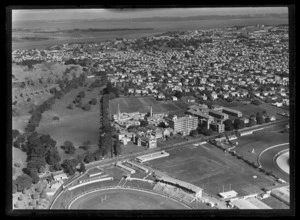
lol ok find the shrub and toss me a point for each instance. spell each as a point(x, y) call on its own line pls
point(35, 195)
point(55, 118)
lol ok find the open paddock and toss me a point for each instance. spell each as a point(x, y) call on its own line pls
point(142, 104)
point(211, 169)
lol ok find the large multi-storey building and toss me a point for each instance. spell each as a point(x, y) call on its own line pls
point(183, 124)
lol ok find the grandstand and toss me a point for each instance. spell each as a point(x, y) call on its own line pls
point(119, 164)
point(92, 179)
point(138, 166)
point(95, 174)
point(197, 191)
point(89, 182)
point(152, 156)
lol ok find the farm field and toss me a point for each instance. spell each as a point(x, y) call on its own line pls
point(142, 104)
point(209, 168)
point(125, 200)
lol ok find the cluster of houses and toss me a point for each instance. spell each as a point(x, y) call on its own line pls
point(227, 67)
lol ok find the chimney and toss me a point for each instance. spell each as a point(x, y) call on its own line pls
point(151, 111)
point(118, 112)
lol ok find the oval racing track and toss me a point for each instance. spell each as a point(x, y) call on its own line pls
point(124, 199)
point(283, 161)
point(268, 160)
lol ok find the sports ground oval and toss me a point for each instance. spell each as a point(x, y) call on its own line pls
point(124, 199)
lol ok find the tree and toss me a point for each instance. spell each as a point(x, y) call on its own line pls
point(260, 120)
point(252, 122)
point(86, 107)
point(93, 101)
point(144, 123)
point(81, 94)
point(88, 158)
point(117, 147)
point(239, 124)
point(194, 133)
point(70, 106)
point(23, 182)
point(256, 102)
point(68, 147)
point(178, 94)
point(15, 133)
point(162, 125)
point(268, 119)
point(82, 168)
point(77, 100)
point(35, 195)
point(68, 167)
point(228, 125)
point(109, 88)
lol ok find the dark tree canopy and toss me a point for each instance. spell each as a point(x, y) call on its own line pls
point(239, 124)
point(23, 182)
point(228, 125)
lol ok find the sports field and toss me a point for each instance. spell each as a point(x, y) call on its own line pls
point(259, 141)
point(142, 104)
point(121, 199)
point(209, 168)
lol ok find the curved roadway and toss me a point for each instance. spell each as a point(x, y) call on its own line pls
point(267, 159)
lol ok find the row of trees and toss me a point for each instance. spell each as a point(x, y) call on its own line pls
point(40, 149)
point(259, 118)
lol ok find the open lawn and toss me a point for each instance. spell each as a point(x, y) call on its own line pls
point(75, 125)
point(121, 199)
point(209, 168)
point(131, 148)
point(19, 157)
point(142, 104)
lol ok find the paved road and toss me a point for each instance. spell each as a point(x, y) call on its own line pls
point(267, 161)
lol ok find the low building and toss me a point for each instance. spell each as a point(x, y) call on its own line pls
point(217, 114)
point(232, 112)
point(60, 177)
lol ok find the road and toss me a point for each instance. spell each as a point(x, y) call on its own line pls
point(131, 156)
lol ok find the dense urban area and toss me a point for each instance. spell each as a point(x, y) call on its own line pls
point(147, 96)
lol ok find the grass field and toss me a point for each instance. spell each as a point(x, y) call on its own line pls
point(142, 104)
point(75, 125)
point(125, 200)
point(209, 168)
point(18, 157)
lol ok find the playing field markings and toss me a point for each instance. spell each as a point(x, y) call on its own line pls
point(259, 156)
point(202, 145)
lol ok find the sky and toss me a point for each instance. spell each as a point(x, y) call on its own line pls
point(62, 14)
